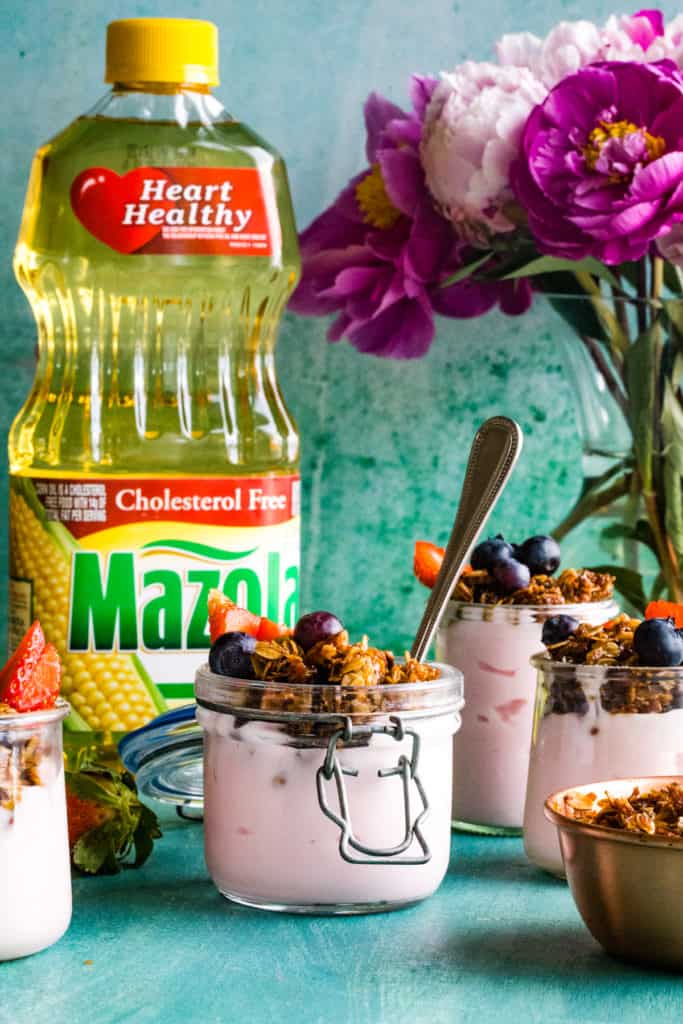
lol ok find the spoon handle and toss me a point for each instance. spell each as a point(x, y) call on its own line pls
point(495, 450)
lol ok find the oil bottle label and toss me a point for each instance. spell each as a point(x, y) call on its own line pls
point(119, 570)
point(189, 210)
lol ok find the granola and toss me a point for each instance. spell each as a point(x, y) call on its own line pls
point(348, 678)
point(336, 662)
point(573, 586)
point(19, 762)
point(656, 812)
point(610, 644)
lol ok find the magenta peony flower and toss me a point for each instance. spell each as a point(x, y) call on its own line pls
point(601, 169)
point(378, 254)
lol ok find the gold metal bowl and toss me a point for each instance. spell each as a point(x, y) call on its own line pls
point(628, 886)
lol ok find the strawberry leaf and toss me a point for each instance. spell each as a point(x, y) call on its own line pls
point(98, 785)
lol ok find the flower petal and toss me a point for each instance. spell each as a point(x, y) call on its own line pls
point(403, 178)
point(404, 331)
point(378, 112)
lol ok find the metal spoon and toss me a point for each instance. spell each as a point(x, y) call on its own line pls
point(495, 450)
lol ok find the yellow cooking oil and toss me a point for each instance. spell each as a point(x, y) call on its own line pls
point(154, 458)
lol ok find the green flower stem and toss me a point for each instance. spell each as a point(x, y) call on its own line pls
point(655, 500)
point(668, 558)
point(606, 372)
point(619, 341)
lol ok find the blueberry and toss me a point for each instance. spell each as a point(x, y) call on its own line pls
point(541, 554)
point(657, 643)
point(511, 575)
point(490, 551)
point(558, 628)
point(314, 627)
point(230, 655)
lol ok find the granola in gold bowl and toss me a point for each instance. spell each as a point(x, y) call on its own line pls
point(656, 812)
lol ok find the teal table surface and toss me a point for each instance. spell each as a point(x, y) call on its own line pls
point(499, 940)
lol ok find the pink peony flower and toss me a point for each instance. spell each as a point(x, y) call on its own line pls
point(572, 45)
point(472, 132)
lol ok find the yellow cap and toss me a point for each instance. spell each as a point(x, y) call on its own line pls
point(162, 50)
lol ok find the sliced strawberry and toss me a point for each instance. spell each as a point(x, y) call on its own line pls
point(40, 689)
point(226, 617)
point(17, 673)
point(427, 562)
point(269, 630)
point(665, 610)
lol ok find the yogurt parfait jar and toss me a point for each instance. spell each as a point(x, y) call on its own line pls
point(596, 722)
point(327, 798)
point(35, 875)
point(492, 645)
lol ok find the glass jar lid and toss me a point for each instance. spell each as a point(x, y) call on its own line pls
point(166, 757)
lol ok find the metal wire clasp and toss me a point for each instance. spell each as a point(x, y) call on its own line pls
point(406, 768)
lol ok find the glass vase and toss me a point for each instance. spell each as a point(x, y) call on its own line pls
point(610, 524)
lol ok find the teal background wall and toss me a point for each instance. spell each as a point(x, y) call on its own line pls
point(384, 443)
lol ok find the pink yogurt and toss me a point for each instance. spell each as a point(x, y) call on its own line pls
point(492, 645)
point(269, 844)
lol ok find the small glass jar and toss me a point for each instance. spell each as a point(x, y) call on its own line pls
point(491, 644)
point(323, 799)
point(595, 722)
point(35, 873)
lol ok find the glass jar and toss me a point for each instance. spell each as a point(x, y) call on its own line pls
point(323, 799)
point(35, 874)
point(491, 644)
point(595, 722)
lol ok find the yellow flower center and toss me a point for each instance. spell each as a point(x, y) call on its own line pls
point(620, 165)
point(373, 199)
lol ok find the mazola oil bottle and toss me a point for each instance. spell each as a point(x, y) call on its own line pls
point(154, 458)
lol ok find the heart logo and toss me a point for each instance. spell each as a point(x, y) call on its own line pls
point(99, 197)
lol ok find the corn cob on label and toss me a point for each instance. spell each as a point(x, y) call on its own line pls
point(119, 570)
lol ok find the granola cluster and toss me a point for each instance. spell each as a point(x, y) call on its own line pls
point(610, 643)
point(573, 586)
point(335, 662)
point(362, 676)
point(658, 812)
point(19, 763)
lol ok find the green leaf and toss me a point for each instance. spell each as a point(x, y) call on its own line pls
point(641, 363)
point(659, 587)
point(672, 435)
point(641, 532)
point(552, 264)
point(146, 832)
point(629, 583)
point(673, 308)
point(593, 485)
point(92, 852)
point(467, 271)
point(568, 298)
point(672, 427)
point(103, 782)
point(672, 277)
